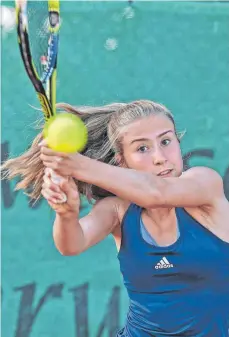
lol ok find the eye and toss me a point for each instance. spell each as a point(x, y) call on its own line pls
point(165, 142)
point(143, 148)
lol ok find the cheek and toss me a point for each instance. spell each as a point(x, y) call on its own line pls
point(174, 156)
point(139, 160)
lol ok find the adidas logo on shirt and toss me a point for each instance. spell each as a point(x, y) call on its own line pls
point(163, 263)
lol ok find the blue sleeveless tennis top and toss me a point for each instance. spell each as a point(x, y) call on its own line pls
point(179, 290)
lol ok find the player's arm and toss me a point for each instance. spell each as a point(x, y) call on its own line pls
point(198, 186)
point(73, 236)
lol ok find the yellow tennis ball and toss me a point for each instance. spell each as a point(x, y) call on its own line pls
point(66, 133)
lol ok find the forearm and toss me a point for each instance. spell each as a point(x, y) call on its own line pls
point(136, 186)
point(68, 235)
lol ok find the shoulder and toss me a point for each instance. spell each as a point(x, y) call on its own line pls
point(202, 170)
point(207, 177)
point(112, 201)
point(117, 205)
point(122, 206)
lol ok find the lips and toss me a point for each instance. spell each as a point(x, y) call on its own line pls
point(164, 173)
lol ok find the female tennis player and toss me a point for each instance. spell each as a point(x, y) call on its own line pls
point(170, 226)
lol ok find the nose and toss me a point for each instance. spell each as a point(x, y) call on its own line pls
point(159, 157)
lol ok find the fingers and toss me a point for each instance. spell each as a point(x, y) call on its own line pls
point(51, 158)
point(45, 157)
point(49, 152)
point(57, 179)
point(63, 197)
point(49, 184)
point(52, 164)
point(63, 163)
point(52, 192)
point(48, 172)
point(51, 196)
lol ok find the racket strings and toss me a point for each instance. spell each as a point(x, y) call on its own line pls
point(38, 22)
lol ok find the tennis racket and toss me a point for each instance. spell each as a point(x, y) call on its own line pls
point(38, 25)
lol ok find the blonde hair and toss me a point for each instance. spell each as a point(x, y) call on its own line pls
point(104, 124)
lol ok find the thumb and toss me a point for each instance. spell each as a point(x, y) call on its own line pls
point(69, 189)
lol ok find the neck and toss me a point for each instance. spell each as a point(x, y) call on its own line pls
point(160, 216)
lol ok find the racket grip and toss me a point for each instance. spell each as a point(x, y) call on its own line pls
point(56, 179)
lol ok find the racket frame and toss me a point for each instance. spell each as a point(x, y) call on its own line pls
point(47, 98)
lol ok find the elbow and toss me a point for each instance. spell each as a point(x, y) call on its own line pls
point(64, 251)
point(67, 253)
point(65, 246)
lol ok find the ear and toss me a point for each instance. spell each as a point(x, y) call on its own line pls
point(120, 161)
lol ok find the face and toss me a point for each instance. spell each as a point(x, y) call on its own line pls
point(150, 145)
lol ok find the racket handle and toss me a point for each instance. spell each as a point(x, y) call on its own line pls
point(56, 179)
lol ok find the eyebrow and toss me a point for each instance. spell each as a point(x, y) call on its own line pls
point(146, 139)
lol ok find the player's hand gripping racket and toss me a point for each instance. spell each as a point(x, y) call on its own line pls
point(38, 24)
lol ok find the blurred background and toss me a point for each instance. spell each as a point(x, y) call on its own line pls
point(176, 53)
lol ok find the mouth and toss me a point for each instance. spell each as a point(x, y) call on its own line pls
point(165, 173)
